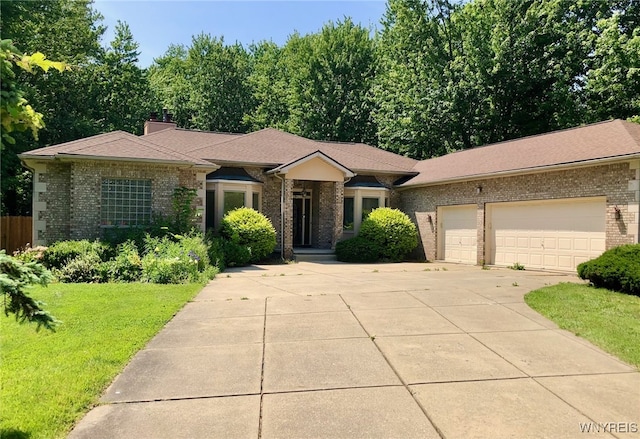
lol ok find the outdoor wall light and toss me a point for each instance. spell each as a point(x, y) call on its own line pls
point(479, 190)
point(430, 218)
point(616, 213)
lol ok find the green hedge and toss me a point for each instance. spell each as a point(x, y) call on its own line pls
point(617, 269)
point(357, 250)
point(59, 254)
point(245, 227)
point(392, 231)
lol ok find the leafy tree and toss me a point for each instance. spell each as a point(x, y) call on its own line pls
point(332, 88)
point(124, 97)
point(613, 82)
point(206, 85)
point(270, 87)
point(65, 30)
point(15, 277)
point(456, 76)
point(169, 82)
point(17, 116)
point(416, 55)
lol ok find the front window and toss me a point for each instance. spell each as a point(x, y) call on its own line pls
point(368, 204)
point(256, 201)
point(347, 218)
point(125, 202)
point(233, 200)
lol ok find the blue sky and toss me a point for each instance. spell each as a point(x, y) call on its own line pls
point(157, 24)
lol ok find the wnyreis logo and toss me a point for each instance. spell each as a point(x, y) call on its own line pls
point(608, 427)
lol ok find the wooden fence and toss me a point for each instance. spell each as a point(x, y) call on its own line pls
point(15, 232)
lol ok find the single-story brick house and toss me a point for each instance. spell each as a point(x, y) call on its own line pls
point(547, 201)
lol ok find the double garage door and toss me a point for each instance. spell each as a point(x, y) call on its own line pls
point(557, 234)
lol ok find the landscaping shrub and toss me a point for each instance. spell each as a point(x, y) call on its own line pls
point(236, 255)
point(251, 229)
point(390, 230)
point(126, 266)
point(176, 259)
point(87, 267)
point(216, 251)
point(57, 255)
point(357, 249)
point(30, 254)
point(617, 269)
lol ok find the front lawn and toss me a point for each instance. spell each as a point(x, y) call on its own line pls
point(608, 319)
point(49, 380)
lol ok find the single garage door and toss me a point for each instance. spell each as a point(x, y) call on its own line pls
point(458, 234)
point(556, 235)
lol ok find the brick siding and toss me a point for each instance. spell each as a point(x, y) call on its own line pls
point(73, 194)
point(611, 181)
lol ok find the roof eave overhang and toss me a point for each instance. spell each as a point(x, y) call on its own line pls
point(71, 157)
point(384, 172)
point(533, 170)
point(242, 164)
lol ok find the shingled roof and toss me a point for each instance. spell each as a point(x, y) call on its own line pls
point(117, 145)
point(613, 139)
point(271, 147)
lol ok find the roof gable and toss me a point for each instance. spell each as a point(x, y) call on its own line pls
point(315, 166)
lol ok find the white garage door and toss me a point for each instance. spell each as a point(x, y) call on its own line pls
point(458, 232)
point(556, 234)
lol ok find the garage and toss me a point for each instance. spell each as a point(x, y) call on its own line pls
point(555, 235)
point(458, 234)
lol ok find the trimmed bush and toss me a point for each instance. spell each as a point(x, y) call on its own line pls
point(59, 254)
point(390, 230)
point(357, 250)
point(251, 229)
point(236, 255)
point(617, 269)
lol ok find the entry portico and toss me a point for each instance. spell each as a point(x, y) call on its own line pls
point(312, 190)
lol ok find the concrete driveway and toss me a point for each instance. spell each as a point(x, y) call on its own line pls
point(378, 351)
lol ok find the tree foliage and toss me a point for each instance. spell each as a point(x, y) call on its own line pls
point(15, 112)
point(456, 76)
point(331, 75)
point(15, 277)
point(206, 85)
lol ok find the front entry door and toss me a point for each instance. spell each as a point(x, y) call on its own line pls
point(302, 218)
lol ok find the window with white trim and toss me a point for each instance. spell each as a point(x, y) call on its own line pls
point(125, 202)
point(223, 196)
point(358, 203)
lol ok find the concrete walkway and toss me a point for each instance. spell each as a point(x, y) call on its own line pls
point(368, 351)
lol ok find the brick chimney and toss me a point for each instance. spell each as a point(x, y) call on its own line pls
point(153, 124)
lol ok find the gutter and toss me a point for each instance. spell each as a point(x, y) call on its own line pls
point(70, 157)
point(511, 172)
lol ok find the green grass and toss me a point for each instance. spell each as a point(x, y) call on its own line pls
point(608, 319)
point(48, 380)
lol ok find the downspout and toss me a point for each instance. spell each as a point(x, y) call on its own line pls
point(281, 215)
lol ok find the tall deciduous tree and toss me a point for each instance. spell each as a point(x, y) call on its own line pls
point(455, 76)
point(123, 94)
point(613, 82)
point(205, 85)
point(68, 31)
point(270, 86)
point(332, 75)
